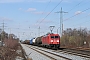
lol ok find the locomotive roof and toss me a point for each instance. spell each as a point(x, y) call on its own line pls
point(49, 34)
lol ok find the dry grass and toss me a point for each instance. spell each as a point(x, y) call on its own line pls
point(11, 43)
point(9, 50)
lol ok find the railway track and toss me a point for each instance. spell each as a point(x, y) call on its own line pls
point(74, 52)
point(50, 55)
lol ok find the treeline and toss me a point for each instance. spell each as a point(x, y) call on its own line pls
point(4, 35)
point(8, 40)
point(75, 38)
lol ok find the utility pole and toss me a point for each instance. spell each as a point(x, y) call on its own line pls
point(2, 34)
point(61, 20)
point(3, 31)
point(9, 30)
point(39, 31)
point(3, 25)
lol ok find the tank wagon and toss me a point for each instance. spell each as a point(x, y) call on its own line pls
point(51, 40)
point(38, 41)
point(31, 41)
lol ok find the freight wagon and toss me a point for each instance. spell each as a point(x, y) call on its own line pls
point(31, 41)
point(38, 41)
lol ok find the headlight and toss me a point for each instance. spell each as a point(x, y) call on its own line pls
point(57, 40)
point(51, 40)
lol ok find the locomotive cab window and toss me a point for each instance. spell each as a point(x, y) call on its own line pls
point(56, 36)
point(52, 36)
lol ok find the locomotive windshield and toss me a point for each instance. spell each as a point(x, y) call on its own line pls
point(54, 36)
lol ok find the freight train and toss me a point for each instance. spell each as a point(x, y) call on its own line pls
point(49, 40)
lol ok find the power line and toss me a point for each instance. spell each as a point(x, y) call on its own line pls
point(76, 6)
point(83, 22)
point(50, 12)
point(44, 10)
point(77, 14)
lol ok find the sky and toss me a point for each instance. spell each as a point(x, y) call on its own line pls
point(24, 17)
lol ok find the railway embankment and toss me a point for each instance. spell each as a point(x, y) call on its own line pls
point(11, 50)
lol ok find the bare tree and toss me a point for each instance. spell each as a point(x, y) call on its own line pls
point(76, 37)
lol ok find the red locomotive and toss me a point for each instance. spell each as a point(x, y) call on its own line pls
point(51, 40)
